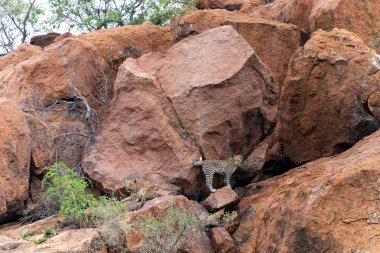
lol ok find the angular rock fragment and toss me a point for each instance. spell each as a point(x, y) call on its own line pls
point(222, 198)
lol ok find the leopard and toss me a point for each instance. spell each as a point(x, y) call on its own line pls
point(140, 192)
point(223, 167)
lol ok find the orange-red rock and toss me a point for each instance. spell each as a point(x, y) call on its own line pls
point(274, 42)
point(223, 94)
point(137, 139)
point(371, 95)
point(22, 53)
point(360, 17)
point(321, 112)
point(15, 156)
point(328, 205)
point(222, 241)
point(51, 86)
point(207, 89)
point(223, 198)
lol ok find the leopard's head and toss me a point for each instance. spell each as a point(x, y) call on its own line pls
point(238, 159)
point(130, 184)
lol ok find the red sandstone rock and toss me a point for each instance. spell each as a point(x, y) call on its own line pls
point(328, 205)
point(371, 95)
point(321, 112)
point(219, 89)
point(22, 53)
point(216, 87)
point(222, 241)
point(360, 17)
point(51, 86)
point(223, 198)
point(273, 42)
point(137, 139)
point(15, 153)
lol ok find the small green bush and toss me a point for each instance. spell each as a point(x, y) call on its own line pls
point(69, 188)
point(167, 231)
point(40, 240)
point(28, 233)
point(49, 232)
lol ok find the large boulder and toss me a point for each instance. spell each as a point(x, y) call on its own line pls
point(65, 87)
point(137, 139)
point(15, 153)
point(328, 205)
point(274, 42)
point(360, 17)
point(210, 91)
point(224, 95)
point(321, 112)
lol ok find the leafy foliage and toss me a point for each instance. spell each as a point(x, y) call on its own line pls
point(69, 188)
point(167, 231)
point(18, 20)
point(88, 15)
point(28, 233)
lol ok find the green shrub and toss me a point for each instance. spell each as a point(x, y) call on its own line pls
point(40, 240)
point(49, 232)
point(68, 187)
point(28, 233)
point(167, 231)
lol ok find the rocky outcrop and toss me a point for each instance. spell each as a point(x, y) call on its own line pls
point(328, 205)
point(66, 86)
point(321, 112)
point(200, 93)
point(22, 53)
point(15, 153)
point(223, 94)
point(274, 42)
point(359, 17)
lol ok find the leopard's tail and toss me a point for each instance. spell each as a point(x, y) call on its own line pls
point(198, 162)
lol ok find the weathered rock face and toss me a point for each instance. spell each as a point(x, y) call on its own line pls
point(22, 53)
point(211, 89)
point(44, 40)
point(274, 42)
point(224, 96)
point(359, 17)
point(15, 153)
point(63, 85)
point(321, 113)
point(329, 205)
point(137, 139)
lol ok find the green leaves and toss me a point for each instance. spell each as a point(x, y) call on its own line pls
point(88, 15)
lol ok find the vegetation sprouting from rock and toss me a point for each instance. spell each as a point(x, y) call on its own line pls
point(168, 231)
